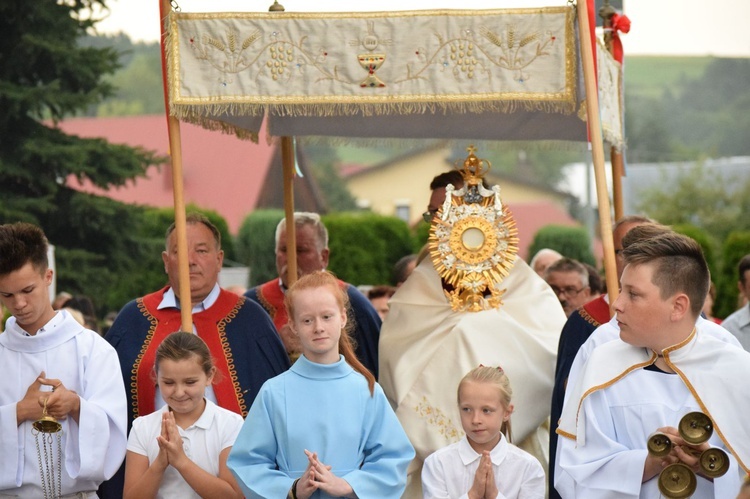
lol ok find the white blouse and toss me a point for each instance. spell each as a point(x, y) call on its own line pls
point(449, 472)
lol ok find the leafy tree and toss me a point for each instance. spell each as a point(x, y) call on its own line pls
point(715, 109)
point(706, 241)
point(649, 136)
point(572, 242)
point(139, 87)
point(421, 234)
point(364, 246)
point(735, 247)
point(700, 197)
point(45, 75)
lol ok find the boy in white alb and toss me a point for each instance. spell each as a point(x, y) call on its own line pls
point(50, 360)
point(661, 368)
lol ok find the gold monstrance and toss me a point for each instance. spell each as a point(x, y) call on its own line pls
point(473, 240)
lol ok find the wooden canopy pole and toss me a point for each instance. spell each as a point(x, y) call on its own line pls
point(175, 149)
point(597, 147)
point(287, 163)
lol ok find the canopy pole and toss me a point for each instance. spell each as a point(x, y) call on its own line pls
point(597, 148)
point(287, 163)
point(287, 160)
point(180, 224)
point(618, 171)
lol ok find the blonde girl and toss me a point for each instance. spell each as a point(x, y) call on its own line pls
point(181, 450)
point(483, 464)
point(324, 428)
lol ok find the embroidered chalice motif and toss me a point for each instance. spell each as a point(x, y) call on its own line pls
point(371, 63)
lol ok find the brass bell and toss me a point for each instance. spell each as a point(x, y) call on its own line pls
point(659, 445)
point(47, 424)
point(49, 453)
point(677, 481)
point(714, 462)
point(695, 428)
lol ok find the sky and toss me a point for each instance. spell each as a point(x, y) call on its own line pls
point(659, 27)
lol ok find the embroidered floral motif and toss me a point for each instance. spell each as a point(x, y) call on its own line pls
point(435, 417)
point(468, 57)
point(276, 58)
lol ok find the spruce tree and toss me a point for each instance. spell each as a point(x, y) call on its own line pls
point(46, 74)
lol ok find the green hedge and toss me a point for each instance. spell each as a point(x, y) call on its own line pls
point(365, 246)
point(572, 242)
point(734, 248)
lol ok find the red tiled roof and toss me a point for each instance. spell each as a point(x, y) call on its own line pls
point(530, 217)
point(220, 172)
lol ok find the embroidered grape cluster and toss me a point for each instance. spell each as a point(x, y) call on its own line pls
point(462, 55)
point(280, 59)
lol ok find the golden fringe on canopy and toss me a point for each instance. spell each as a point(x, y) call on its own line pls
point(448, 106)
point(498, 61)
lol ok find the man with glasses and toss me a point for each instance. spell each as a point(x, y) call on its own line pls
point(569, 280)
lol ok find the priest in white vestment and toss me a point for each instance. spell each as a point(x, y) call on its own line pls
point(426, 347)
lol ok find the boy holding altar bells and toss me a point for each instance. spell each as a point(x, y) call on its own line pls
point(52, 366)
point(661, 368)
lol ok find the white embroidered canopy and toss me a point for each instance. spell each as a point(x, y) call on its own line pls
point(478, 75)
point(501, 75)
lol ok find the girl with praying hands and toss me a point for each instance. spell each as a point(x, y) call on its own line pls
point(181, 450)
point(324, 428)
point(483, 464)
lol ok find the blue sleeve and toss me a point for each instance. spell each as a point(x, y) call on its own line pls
point(387, 450)
point(575, 332)
point(253, 458)
point(366, 329)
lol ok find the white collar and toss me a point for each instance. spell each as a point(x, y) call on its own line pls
point(169, 300)
point(206, 418)
point(468, 455)
point(58, 330)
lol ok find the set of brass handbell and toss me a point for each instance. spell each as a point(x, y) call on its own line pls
point(677, 481)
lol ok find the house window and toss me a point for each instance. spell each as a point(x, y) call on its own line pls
point(403, 210)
